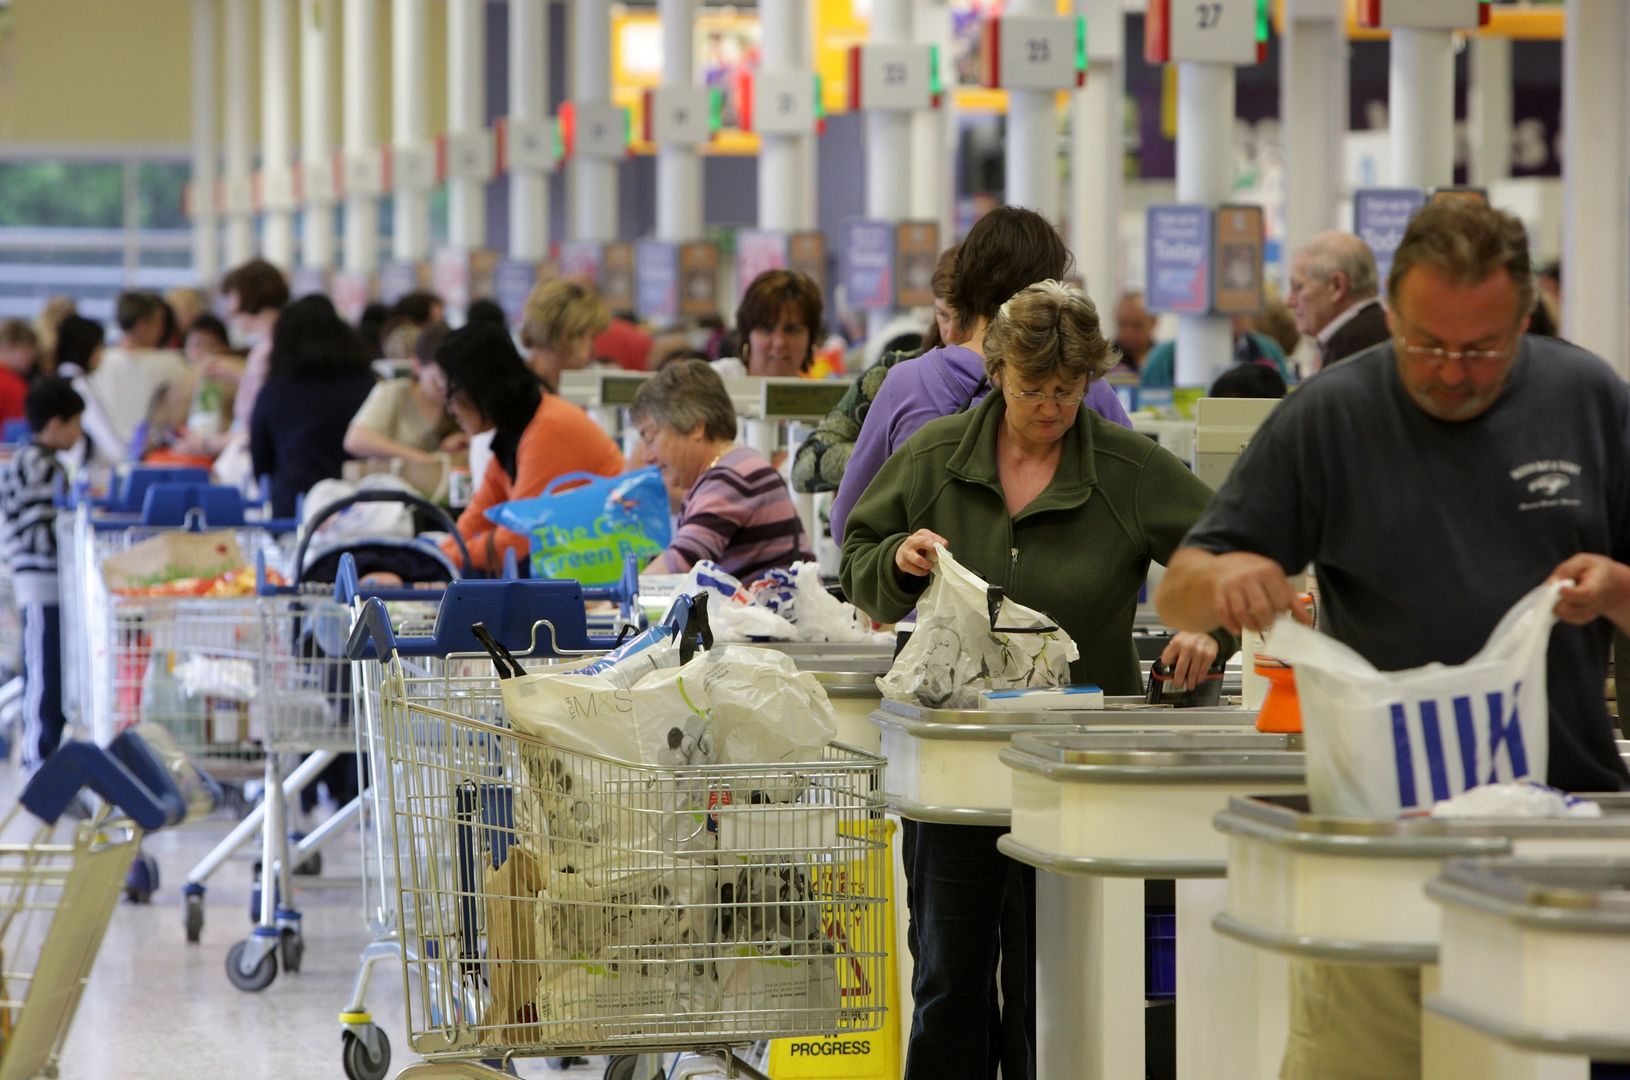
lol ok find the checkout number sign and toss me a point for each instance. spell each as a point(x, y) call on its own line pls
point(1213, 31)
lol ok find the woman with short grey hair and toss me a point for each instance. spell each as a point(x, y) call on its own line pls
point(736, 510)
point(1065, 510)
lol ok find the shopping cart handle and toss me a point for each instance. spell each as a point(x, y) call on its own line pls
point(400, 498)
point(371, 635)
point(139, 785)
point(530, 618)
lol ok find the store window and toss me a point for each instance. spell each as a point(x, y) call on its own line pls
point(90, 226)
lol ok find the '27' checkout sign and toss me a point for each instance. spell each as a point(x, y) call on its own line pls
point(1202, 31)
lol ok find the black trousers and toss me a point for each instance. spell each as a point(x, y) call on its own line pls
point(972, 941)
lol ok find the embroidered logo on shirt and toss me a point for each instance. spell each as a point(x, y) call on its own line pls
point(1546, 479)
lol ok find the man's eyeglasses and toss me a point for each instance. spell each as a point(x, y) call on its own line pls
point(1035, 397)
point(1423, 354)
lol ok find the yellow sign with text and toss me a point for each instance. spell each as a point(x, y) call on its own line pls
point(872, 1055)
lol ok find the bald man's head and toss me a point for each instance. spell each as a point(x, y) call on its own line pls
point(1329, 274)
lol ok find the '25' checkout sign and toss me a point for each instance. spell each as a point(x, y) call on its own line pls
point(1202, 31)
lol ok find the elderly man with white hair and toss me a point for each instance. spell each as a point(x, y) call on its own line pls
point(1334, 296)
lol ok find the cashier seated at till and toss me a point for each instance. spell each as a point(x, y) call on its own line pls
point(734, 507)
point(1065, 510)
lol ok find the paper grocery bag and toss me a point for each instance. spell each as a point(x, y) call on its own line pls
point(171, 556)
point(509, 896)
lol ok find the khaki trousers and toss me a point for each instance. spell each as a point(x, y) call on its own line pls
point(1353, 1022)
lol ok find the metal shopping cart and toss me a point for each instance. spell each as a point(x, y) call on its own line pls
point(560, 902)
point(303, 693)
point(76, 508)
point(434, 648)
point(57, 893)
point(132, 650)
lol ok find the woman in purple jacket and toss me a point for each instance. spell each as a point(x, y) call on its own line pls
point(1007, 250)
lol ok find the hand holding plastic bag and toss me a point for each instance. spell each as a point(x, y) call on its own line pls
point(1383, 743)
point(963, 644)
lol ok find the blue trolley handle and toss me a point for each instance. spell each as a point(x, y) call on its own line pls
point(371, 635)
point(400, 498)
point(127, 774)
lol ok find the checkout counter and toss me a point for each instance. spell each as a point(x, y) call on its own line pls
point(946, 766)
point(1534, 964)
point(1355, 891)
point(1100, 812)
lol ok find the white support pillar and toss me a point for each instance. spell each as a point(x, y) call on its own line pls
point(1489, 110)
point(361, 75)
point(591, 183)
point(782, 176)
point(1032, 136)
point(528, 100)
point(239, 58)
point(1205, 128)
point(1313, 103)
point(888, 141)
point(933, 131)
point(1421, 107)
point(679, 168)
point(1097, 120)
point(1596, 191)
point(466, 112)
point(810, 212)
point(317, 133)
point(206, 237)
point(410, 127)
point(277, 92)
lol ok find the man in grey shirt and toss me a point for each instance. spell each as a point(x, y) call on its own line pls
point(1431, 482)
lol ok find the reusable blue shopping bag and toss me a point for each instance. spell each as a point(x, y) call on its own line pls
point(588, 532)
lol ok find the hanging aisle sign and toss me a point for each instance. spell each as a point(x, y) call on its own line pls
point(681, 115)
point(1206, 32)
point(1034, 52)
point(893, 77)
point(1423, 14)
point(526, 144)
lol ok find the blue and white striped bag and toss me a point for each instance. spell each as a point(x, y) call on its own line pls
point(1386, 743)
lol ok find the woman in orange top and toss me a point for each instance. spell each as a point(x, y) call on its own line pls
point(539, 436)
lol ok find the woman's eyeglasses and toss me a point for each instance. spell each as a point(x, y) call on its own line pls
point(1035, 397)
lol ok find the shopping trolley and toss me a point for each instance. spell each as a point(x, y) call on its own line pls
point(327, 624)
point(160, 657)
point(433, 646)
point(560, 902)
point(57, 894)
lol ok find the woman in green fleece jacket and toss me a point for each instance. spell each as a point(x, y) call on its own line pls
point(1063, 509)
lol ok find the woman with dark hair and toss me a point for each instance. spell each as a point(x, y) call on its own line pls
point(319, 376)
point(80, 342)
point(778, 324)
point(1006, 250)
point(537, 436)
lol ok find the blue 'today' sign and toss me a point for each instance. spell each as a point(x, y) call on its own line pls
point(1178, 245)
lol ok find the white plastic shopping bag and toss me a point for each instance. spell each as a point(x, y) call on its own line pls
point(1384, 743)
point(960, 647)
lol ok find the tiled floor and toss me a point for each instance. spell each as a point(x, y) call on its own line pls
point(159, 1009)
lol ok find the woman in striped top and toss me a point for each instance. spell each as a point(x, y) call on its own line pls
point(736, 511)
